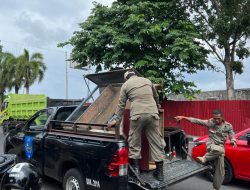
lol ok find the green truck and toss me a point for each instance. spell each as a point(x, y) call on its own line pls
point(17, 108)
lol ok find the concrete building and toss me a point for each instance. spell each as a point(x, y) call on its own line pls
point(241, 94)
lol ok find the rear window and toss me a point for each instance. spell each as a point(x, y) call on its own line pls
point(63, 114)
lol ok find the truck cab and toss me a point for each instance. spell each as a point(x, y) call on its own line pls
point(18, 141)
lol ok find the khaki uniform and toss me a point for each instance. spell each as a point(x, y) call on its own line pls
point(215, 146)
point(144, 115)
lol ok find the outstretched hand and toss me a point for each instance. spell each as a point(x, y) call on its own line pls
point(179, 118)
point(234, 144)
point(111, 123)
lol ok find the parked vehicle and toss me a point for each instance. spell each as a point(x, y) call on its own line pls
point(83, 154)
point(17, 108)
point(18, 176)
point(7, 161)
point(237, 161)
point(21, 176)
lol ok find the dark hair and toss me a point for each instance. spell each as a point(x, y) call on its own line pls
point(217, 111)
point(130, 75)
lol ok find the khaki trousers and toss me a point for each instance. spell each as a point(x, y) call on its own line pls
point(150, 125)
point(216, 153)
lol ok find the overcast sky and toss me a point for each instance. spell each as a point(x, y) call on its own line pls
point(40, 25)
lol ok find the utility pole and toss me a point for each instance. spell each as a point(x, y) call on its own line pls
point(87, 69)
point(66, 74)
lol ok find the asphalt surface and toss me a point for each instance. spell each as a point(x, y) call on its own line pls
point(198, 182)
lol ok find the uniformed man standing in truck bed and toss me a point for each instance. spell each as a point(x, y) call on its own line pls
point(144, 115)
point(219, 129)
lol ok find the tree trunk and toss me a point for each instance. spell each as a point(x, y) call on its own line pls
point(230, 82)
point(229, 75)
point(27, 89)
point(16, 90)
point(1, 100)
point(2, 91)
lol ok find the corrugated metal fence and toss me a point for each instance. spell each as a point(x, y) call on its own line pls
point(236, 112)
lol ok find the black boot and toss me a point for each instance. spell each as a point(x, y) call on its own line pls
point(135, 165)
point(158, 174)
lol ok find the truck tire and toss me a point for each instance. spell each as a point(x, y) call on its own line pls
point(73, 180)
point(228, 172)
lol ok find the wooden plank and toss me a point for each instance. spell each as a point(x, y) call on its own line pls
point(103, 107)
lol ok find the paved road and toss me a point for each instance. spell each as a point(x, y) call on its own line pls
point(198, 182)
point(195, 183)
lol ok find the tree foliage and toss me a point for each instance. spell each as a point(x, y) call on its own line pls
point(1, 48)
point(225, 27)
point(15, 79)
point(5, 75)
point(31, 68)
point(22, 70)
point(153, 36)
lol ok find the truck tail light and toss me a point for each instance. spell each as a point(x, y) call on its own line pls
point(174, 152)
point(119, 163)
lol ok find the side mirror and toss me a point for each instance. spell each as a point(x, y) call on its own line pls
point(248, 138)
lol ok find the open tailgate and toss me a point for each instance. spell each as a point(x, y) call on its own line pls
point(174, 172)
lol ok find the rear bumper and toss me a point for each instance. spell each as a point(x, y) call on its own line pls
point(115, 183)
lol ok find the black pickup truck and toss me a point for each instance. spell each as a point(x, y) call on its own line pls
point(86, 156)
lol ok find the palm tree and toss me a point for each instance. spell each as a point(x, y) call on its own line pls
point(5, 73)
point(1, 48)
point(30, 68)
point(14, 74)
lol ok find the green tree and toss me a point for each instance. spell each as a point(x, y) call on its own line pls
point(153, 36)
point(1, 48)
point(2, 78)
point(5, 74)
point(31, 68)
point(225, 27)
point(15, 77)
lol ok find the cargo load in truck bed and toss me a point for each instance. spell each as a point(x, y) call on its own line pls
point(102, 109)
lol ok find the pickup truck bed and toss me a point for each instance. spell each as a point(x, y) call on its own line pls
point(174, 172)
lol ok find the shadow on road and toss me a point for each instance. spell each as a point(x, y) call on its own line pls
point(50, 184)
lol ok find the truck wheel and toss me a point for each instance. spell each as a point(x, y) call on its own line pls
point(73, 180)
point(228, 172)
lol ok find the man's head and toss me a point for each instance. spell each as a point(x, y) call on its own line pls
point(129, 74)
point(218, 116)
